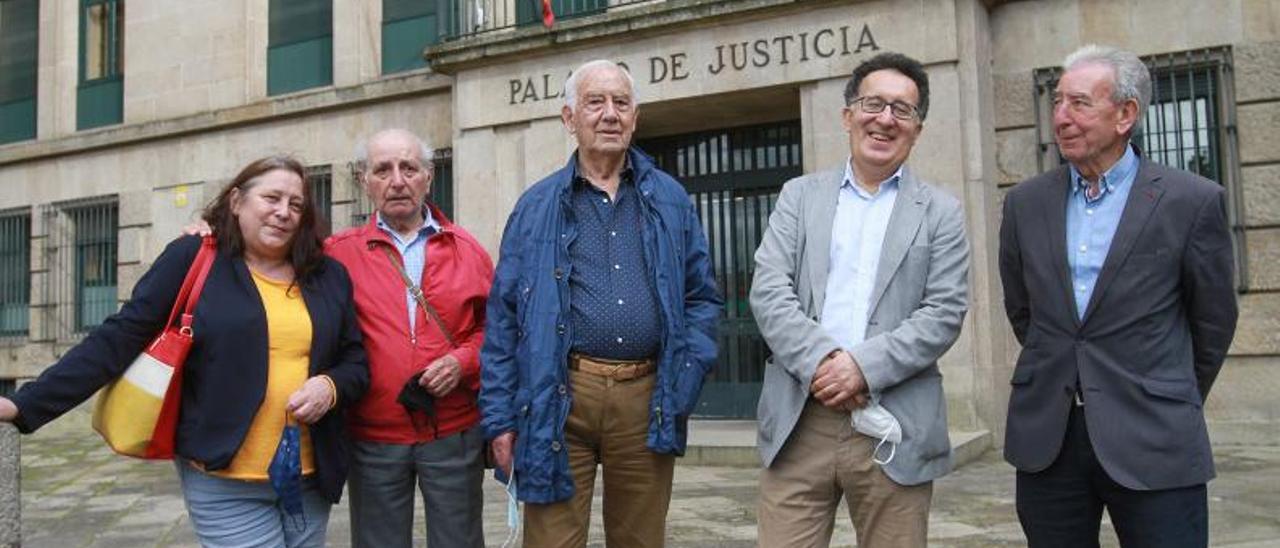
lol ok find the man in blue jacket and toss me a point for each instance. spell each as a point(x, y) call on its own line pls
point(601, 326)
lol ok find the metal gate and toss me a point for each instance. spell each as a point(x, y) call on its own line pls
point(733, 176)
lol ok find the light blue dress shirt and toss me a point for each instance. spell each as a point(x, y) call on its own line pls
point(857, 234)
point(414, 253)
point(1091, 224)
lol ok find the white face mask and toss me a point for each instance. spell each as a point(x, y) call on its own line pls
point(513, 512)
point(876, 421)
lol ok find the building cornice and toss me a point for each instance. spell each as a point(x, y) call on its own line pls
point(302, 103)
point(629, 21)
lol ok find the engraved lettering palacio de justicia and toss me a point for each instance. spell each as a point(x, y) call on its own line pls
point(759, 54)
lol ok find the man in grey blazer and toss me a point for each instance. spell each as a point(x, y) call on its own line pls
point(1117, 276)
point(860, 286)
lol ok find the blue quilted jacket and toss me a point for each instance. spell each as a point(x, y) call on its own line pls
point(524, 383)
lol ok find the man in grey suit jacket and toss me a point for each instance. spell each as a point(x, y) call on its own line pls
point(860, 286)
point(1117, 277)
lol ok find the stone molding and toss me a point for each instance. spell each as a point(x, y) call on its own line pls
point(274, 108)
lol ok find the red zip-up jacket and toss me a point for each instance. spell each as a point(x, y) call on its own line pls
point(455, 280)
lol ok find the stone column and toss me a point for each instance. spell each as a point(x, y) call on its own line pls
point(10, 492)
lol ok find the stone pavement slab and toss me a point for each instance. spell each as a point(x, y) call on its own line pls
point(75, 492)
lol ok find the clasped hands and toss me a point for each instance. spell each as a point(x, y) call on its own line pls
point(838, 383)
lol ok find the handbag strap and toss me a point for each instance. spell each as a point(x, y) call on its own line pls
point(416, 291)
point(193, 283)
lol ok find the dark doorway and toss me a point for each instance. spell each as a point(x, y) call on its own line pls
point(733, 176)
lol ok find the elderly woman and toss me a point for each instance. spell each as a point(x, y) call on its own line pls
point(276, 344)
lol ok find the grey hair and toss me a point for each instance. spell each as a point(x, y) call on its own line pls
point(425, 154)
point(1131, 78)
point(571, 84)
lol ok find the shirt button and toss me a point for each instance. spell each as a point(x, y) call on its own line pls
point(617, 267)
point(1084, 248)
point(619, 301)
point(619, 340)
point(605, 200)
point(555, 446)
point(1081, 288)
point(613, 233)
point(1088, 212)
point(562, 390)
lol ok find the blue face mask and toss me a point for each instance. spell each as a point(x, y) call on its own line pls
point(285, 472)
point(513, 512)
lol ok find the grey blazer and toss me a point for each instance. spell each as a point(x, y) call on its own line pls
point(918, 303)
point(1154, 335)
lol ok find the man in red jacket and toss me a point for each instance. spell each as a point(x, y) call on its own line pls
point(417, 423)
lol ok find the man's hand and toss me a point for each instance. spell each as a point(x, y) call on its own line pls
point(502, 447)
point(198, 228)
point(8, 411)
point(441, 376)
point(838, 383)
point(312, 401)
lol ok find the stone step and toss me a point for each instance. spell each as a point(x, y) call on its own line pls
point(733, 443)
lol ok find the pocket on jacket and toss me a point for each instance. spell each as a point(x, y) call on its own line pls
point(1173, 389)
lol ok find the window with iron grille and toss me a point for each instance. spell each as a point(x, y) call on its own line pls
point(19, 35)
point(15, 272)
point(1190, 124)
point(320, 185)
point(80, 254)
point(100, 95)
point(441, 188)
point(299, 45)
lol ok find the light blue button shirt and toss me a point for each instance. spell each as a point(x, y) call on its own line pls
point(1091, 224)
point(857, 234)
point(414, 253)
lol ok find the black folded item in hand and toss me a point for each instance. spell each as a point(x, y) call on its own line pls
point(414, 397)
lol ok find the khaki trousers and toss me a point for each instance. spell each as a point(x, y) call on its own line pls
point(823, 460)
point(607, 425)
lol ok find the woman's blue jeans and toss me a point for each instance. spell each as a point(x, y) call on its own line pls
point(227, 512)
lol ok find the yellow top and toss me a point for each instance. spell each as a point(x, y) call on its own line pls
point(288, 358)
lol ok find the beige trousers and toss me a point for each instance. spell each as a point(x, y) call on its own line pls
point(822, 461)
point(607, 425)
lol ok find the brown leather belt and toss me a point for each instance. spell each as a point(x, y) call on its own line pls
point(618, 370)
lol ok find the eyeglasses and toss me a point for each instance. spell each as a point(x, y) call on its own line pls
point(875, 105)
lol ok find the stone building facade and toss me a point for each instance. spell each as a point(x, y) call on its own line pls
point(116, 134)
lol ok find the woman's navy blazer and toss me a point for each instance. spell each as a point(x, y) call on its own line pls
point(225, 376)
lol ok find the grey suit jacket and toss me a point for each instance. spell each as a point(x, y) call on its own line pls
point(918, 303)
point(1154, 334)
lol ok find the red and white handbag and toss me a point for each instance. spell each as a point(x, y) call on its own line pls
point(137, 414)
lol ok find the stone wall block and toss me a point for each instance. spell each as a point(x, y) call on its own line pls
point(1258, 331)
point(1264, 256)
point(134, 208)
point(131, 244)
point(10, 487)
point(1261, 20)
point(127, 276)
point(1261, 194)
point(1257, 71)
point(1259, 132)
point(1015, 100)
point(1016, 152)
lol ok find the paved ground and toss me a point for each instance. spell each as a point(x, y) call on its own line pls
point(76, 493)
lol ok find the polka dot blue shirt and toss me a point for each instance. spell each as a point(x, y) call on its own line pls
point(614, 310)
